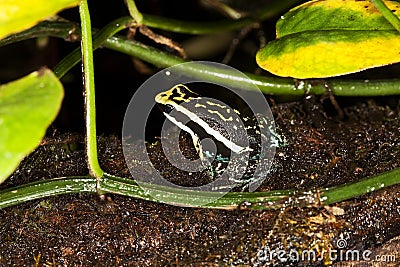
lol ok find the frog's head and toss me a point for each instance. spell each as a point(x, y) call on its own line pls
point(174, 97)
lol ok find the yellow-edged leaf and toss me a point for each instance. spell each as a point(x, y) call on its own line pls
point(19, 15)
point(326, 38)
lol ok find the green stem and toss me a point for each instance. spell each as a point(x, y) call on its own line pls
point(41, 189)
point(190, 198)
point(268, 85)
point(128, 187)
point(134, 12)
point(90, 106)
point(66, 30)
point(99, 38)
point(181, 197)
point(387, 13)
point(367, 185)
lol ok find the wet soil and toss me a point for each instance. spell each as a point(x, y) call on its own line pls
point(324, 150)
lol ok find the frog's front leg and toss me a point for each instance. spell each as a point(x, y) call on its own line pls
point(195, 140)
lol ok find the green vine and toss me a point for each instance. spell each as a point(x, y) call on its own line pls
point(254, 200)
point(88, 83)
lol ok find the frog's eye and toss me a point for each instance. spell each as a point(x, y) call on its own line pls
point(163, 95)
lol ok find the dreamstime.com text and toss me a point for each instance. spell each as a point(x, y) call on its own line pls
point(341, 254)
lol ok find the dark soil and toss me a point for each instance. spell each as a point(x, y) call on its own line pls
point(323, 151)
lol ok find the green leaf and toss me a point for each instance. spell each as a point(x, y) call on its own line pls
point(27, 107)
point(335, 15)
point(326, 38)
point(16, 16)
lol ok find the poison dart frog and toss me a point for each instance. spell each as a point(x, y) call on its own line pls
point(232, 133)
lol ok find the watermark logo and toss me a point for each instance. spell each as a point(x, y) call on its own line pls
point(340, 253)
point(137, 117)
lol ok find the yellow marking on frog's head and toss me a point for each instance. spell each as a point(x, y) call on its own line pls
point(176, 95)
